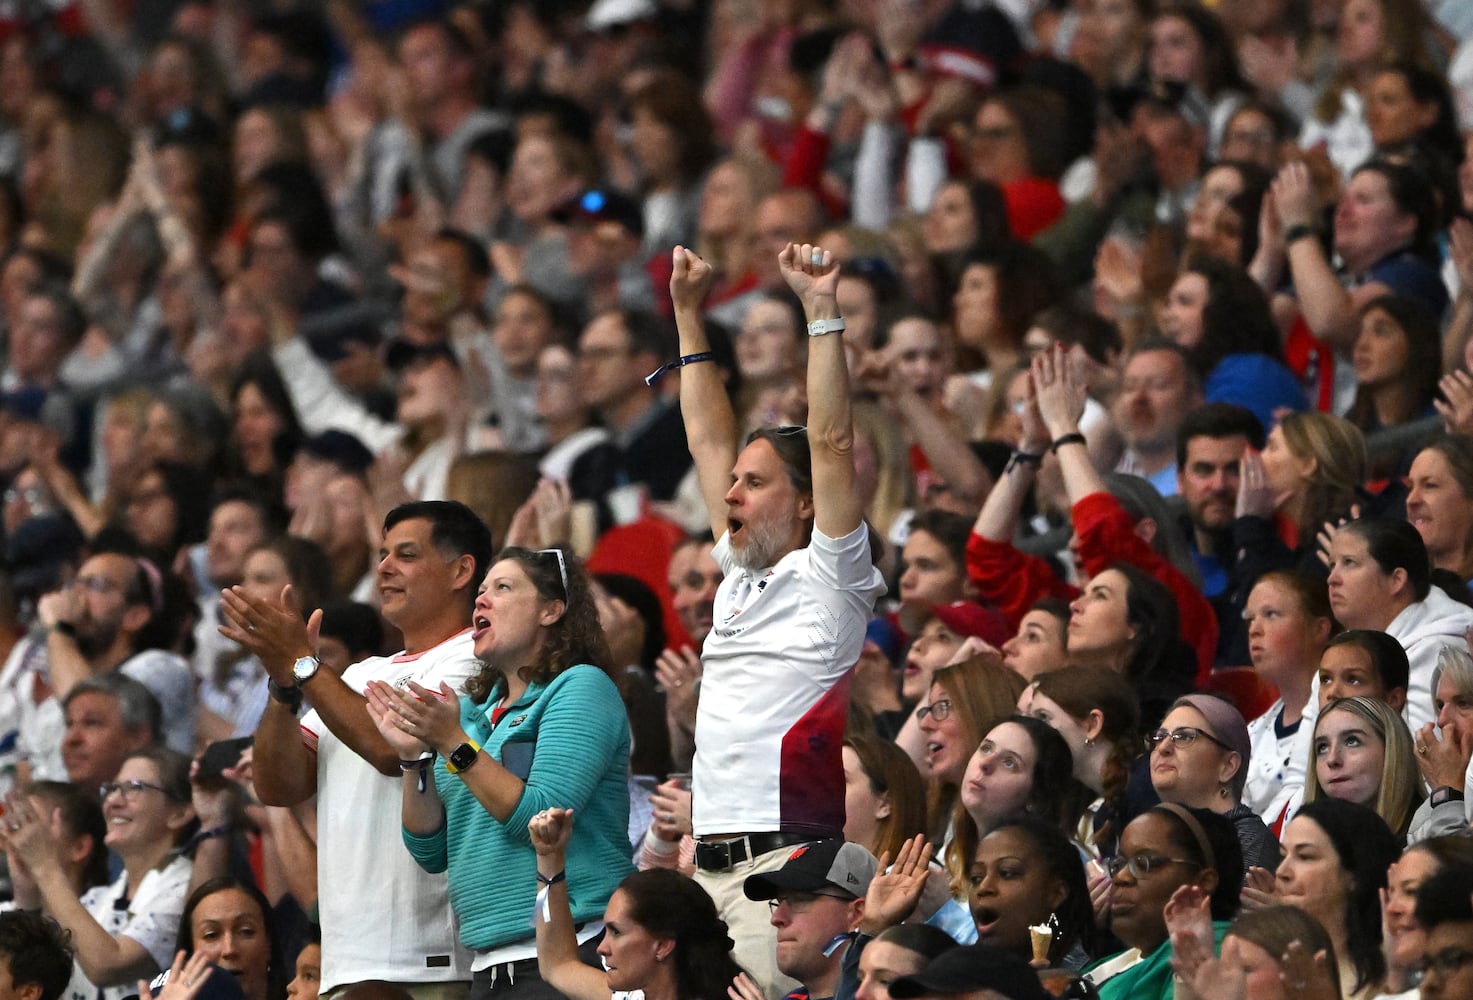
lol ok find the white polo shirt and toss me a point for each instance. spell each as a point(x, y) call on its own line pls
point(383, 917)
point(775, 692)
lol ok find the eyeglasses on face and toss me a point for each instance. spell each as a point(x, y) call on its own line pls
point(1141, 865)
point(129, 789)
point(802, 900)
point(939, 710)
point(1181, 736)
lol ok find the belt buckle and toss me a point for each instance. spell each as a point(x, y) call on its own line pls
point(722, 851)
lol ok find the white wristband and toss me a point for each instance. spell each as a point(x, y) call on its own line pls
point(820, 327)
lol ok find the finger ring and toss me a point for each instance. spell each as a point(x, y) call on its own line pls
point(1422, 749)
point(817, 258)
point(676, 683)
point(189, 981)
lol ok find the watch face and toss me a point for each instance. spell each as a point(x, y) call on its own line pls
point(304, 668)
point(462, 756)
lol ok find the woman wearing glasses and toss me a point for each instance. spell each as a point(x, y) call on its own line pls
point(541, 726)
point(1199, 758)
point(125, 931)
point(1163, 849)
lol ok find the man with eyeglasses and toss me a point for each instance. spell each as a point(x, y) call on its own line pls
point(789, 618)
point(816, 899)
point(1445, 912)
point(431, 562)
point(114, 616)
point(646, 449)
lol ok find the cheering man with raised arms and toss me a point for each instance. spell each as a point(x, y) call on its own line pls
point(789, 616)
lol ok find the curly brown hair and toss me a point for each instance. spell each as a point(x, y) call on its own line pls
point(576, 637)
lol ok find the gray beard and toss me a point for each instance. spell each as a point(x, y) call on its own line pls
point(764, 541)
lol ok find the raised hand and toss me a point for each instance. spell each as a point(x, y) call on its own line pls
point(1188, 916)
point(383, 709)
point(186, 979)
point(690, 278)
point(1060, 394)
point(744, 987)
point(550, 830)
point(672, 811)
point(1457, 411)
point(679, 673)
point(274, 632)
point(1293, 191)
point(893, 894)
point(810, 271)
point(1259, 889)
point(1255, 496)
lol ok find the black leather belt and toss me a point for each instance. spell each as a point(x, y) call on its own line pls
point(724, 855)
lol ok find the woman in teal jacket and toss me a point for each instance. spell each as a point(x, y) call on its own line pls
point(540, 726)
point(1163, 849)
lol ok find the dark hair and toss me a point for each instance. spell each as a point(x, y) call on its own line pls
point(1222, 841)
point(1061, 858)
point(576, 637)
point(1054, 795)
point(308, 568)
point(1069, 325)
point(38, 950)
point(295, 201)
point(1395, 544)
point(951, 530)
point(646, 332)
point(355, 625)
point(1152, 609)
point(1366, 848)
point(1443, 138)
point(1217, 420)
point(1446, 898)
point(1218, 52)
point(675, 102)
point(1081, 690)
point(276, 963)
point(455, 531)
point(477, 261)
point(923, 939)
point(69, 317)
point(81, 816)
point(1413, 194)
point(890, 771)
point(1419, 372)
point(791, 445)
point(1041, 114)
point(1031, 282)
point(669, 905)
point(258, 370)
point(1235, 318)
point(173, 768)
point(1388, 656)
point(989, 214)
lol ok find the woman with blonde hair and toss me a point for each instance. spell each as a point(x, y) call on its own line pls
point(1362, 753)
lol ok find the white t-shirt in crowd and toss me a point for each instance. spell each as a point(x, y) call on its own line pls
point(363, 868)
point(774, 695)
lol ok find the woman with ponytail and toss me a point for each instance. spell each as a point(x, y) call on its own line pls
point(662, 934)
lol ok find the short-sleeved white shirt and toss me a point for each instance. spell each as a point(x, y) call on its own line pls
point(383, 917)
point(151, 917)
point(774, 694)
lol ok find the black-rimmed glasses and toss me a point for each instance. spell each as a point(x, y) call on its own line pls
point(938, 710)
point(129, 789)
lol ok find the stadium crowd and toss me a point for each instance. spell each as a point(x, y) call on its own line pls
point(736, 500)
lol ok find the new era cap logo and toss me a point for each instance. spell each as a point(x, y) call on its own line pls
point(851, 879)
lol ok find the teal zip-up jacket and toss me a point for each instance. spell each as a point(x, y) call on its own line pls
point(568, 740)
